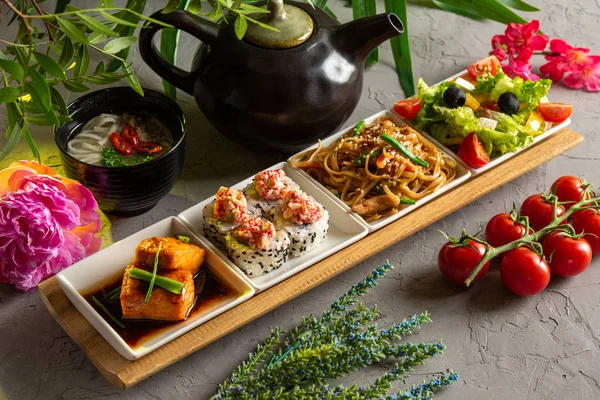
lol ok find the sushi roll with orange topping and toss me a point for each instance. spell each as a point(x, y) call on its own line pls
point(303, 219)
point(256, 247)
point(267, 191)
point(229, 210)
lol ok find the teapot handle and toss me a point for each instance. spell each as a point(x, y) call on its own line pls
point(202, 29)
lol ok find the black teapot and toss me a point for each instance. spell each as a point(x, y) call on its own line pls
point(274, 90)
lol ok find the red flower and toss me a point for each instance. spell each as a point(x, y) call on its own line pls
point(499, 47)
point(587, 75)
point(569, 59)
point(520, 68)
point(522, 40)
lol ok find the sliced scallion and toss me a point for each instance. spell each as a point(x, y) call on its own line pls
point(170, 285)
point(359, 127)
point(105, 310)
point(155, 267)
point(404, 200)
point(183, 238)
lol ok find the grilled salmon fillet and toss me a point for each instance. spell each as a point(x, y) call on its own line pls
point(163, 305)
point(174, 254)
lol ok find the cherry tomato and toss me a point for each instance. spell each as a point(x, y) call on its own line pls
point(457, 262)
point(408, 108)
point(491, 105)
point(484, 67)
point(472, 152)
point(524, 272)
point(555, 112)
point(539, 211)
point(502, 229)
point(130, 135)
point(588, 221)
point(147, 147)
point(568, 188)
point(568, 256)
point(120, 144)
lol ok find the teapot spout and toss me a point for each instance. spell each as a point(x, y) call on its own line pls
point(361, 36)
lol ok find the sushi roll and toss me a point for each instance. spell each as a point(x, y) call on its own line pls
point(304, 220)
point(256, 247)
point(267, 190)
point(225, 213)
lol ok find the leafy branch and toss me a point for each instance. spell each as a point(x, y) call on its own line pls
point(344, 339)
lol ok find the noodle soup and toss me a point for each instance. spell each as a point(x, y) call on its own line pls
point(112, 140)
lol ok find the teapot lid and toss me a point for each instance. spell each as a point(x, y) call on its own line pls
point(294, 24)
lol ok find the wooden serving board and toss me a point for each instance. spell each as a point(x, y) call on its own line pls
point(123, 373)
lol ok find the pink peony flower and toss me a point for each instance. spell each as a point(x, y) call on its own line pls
point(520, 68)
point(587, 76)
point(569, 59)
point(522, 40)
point(47, 222)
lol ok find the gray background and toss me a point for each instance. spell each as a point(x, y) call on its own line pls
point(544, 346)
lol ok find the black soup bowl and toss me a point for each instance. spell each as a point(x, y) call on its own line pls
point(133, 190)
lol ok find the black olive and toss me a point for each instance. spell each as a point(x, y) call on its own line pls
point(454, 97)
point(508, 103)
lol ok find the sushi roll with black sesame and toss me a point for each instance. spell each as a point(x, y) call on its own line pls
point(225, 213)
point(256, 247)
point(304, 220)
point(267, 190)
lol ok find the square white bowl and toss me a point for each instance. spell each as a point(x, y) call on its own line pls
point(475, 171)
point(344, 229)
point(108, 264)
point(462, 174)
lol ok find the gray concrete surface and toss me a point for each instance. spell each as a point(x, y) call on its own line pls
point(542, 347)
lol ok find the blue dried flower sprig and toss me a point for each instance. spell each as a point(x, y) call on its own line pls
point(341, 341)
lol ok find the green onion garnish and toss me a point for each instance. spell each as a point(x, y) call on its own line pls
point(360, 160)
point(404, 200)
point(105, 310)
point(113, 295)
point(170, 285)
point(183, 238)
point(359, 127)
point(149, 293)
point(402, 149)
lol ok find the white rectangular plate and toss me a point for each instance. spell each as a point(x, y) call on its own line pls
point(462, 174)
point(344, 229)
point(103, 267)
point(475, 171)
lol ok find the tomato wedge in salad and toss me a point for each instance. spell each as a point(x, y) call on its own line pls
point(484, 67)
point(555, 112)
point(472, 152)
point(408, 108)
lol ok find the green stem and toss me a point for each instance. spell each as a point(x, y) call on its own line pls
point(528, 238)
point(154, 270)
point(170, 285)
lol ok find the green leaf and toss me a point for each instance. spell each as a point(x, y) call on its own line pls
point(40, 120)
point(3, 56)
point(67, 52)
point(9, 94)
point(117, 20)
point(61, 6)
point(194, 6)
point(49, 65)
point(13, 135)
point(401, 48)
point(490, 9)
point(39, 90)
point(124, 30)
point(331, 13)
point(118, 44)
point(106, 4)
point(371, 9)
point(14, 113)
point(74, 86)
point(253, 9)
point(34, 149)
point(519, 5)
point(171, 6)
point(96, 38)
point(95, 25)
point(240, 25)
point(57, 99)
point(132, 80)
point(457, 11)
point(359, 9)
point(83, 62)
point(13, 68)
point(103, 80)
point(99, 68)
point(262, 25)
point(72, 31)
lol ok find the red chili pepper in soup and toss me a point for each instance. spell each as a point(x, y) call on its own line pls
point(120, 144)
